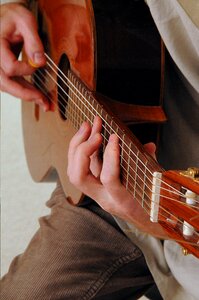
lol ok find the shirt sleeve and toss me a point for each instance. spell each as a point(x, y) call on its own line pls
point(178, 23)
point(13, 1)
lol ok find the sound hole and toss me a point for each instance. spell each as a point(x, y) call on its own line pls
point(63, 90)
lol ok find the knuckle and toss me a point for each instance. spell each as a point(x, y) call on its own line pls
point(28, 19)
point(107, 180)
point(10, 69)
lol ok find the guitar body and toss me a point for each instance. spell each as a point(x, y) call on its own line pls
point(79, 35)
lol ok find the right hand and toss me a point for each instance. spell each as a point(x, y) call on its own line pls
point(18, 28)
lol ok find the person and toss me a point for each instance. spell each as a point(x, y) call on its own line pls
point(82, 263)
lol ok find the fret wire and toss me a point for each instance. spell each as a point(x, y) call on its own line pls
point(136, 164)
point(76, 105)
point(104, 133)
point(144, 186)
point(93, 116)
point(122, 148)
point(141, 162)
point(78, 102)
point(128, 165)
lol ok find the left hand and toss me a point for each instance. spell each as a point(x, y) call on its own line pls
point(100, 180)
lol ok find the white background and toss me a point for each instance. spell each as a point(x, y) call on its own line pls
point(22, 200)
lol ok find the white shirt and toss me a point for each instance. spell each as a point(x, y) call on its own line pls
point(176, 275)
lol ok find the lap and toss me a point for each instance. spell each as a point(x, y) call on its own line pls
point(77, 253)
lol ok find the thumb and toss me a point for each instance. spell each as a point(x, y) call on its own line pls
point(32, 43)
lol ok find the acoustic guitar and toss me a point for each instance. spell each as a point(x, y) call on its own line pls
point(166, 202)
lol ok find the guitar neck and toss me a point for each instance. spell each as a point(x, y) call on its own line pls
point(137, 167)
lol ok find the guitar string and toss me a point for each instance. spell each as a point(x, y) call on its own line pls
point(147, 204)
point(122, 166)
point(171, 187)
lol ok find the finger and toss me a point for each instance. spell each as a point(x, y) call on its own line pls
point(151, 149)
point(79, 161)
point(10, 64)
point(81, 136)
point(96, 162)
point(20, 88)
point(32, 42)
point(111, 165)
point(97, 126)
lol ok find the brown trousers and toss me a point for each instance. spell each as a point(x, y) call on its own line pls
point(77, 253)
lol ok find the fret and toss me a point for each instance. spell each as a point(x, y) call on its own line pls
point(125, 164)
point(83, 111)
point(144, 184)
point(97, 109)
point(122, 154)
point(76, 103)
point(105, 130)
point(70, 101)
point(78, 108)
point(93, 112)
point(73, 92)
point(128, 166)
point(141, 170)
point(89, 111)
point(111, 127)
point(136, 174)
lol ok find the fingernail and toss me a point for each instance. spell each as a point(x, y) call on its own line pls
point(40, 103)
point(81, 129)
point(38, 60)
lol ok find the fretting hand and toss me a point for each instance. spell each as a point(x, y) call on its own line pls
point(100, 180)
point(18, 28)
